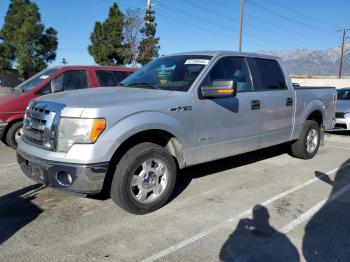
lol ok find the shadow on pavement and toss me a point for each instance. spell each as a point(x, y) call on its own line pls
point(186, 175)
point(256, 240)
point(17, 210)
point(327, 234)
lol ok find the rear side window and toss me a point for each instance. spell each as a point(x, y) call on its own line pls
point(75, 79)
point(111, 78)
point(267, 74)
point(106, 78)
point(120, 75)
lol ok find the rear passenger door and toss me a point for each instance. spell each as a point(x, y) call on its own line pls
point(276, 104)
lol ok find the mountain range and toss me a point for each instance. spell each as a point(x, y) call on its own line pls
point(311, 62)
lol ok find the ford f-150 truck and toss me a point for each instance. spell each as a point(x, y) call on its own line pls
point(61, 78)
point(177, 111)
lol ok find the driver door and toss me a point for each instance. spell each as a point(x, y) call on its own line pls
point(231, 125)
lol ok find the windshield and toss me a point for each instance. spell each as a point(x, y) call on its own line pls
point(32, 82)
point(174, 73)
point(343, 94)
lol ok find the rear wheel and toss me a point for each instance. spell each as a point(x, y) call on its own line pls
point(13, 134)
point(144, 179)
point(307, 145)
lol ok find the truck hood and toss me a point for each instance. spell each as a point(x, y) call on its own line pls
point(104, 97)
point(343, 106)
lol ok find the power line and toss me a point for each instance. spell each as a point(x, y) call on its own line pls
point(304, 15)
point(318, 29)
point(280, 27)
point(220, 25)
point(280, 42)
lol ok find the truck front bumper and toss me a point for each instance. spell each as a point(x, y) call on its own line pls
point(2, 129)
point(77, 178)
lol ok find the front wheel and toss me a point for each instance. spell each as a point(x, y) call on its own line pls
point(14, 134)
point(144, 179)
point(308, 143)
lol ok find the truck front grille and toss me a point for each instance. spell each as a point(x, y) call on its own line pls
point(39, 126)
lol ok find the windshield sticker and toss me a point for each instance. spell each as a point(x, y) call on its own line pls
point(196, 62)
point(44, 77)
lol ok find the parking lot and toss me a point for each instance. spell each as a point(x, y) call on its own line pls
point(263, 206)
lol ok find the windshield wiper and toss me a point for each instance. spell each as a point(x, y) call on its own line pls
point(144, 84)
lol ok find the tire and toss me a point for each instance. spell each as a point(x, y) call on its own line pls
point(144, 179)
point(12, 133)
point(300, 148)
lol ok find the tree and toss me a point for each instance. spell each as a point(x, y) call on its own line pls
point(107, 47)
point(149, 45)
point(132, 25)
point(26, 42)
point(6, 56)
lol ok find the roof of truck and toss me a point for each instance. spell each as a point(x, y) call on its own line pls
point(227, 53)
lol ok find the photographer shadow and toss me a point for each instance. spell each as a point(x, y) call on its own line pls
point(327, 234)
point(256, 240)
point(17, 210)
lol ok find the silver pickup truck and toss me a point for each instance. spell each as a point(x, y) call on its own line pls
point(177, 111)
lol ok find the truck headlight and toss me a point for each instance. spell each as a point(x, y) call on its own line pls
point(78, 131)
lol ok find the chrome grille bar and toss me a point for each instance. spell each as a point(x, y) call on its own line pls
point(39, 126)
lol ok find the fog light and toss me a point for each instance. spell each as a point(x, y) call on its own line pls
point(64, 179)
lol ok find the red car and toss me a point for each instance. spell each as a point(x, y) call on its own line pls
point(55, 79)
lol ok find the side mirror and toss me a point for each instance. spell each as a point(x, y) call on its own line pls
point(56, 86)
point(219, 89)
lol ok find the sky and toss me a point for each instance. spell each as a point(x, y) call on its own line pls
point(188, 25)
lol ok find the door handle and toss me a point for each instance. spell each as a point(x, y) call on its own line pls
point(289, 101)
point(255, 104)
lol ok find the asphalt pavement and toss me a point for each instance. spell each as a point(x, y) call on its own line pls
point(260, 206)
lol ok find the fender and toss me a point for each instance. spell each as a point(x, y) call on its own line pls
point(140, 121)
point(315, 104)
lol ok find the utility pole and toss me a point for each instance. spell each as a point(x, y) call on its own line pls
point(342, 51)
point(149, 4)
point(241, 26)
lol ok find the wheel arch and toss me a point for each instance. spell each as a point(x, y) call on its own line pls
point(158, 136)
point(317, 116)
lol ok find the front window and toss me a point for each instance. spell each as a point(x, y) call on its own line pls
point(35, 80)
point(231, 68)
point(174, 73)
point(343, 94)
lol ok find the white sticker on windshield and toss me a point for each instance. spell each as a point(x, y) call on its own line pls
point(196, 62)
point(44, 77)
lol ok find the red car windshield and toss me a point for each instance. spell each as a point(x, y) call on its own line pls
point(35, 80)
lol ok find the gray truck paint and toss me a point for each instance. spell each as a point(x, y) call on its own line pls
point(208, 130)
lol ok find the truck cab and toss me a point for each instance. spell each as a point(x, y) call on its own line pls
point(55, 79)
